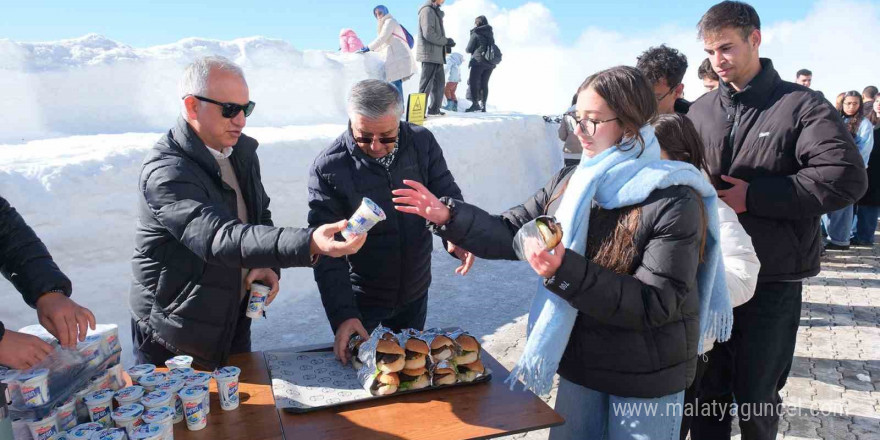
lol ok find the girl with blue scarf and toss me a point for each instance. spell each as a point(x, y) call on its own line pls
point(625, 298)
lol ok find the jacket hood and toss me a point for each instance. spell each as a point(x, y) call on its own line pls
point(485, 31)
point(430, 4)
point(455, 59)
point(347, 33)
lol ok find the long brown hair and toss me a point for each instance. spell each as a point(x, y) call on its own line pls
point(856, 119)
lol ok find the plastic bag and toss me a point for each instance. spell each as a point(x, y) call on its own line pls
point(530, 237)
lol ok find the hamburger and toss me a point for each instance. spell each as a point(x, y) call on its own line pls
point(354, 345)
point(389, 357)
point(442, 348)
point(470, 372)
point(385, 384)
point(470, 349)
point(413, 379)
point(444, 376)
point(550, 230)
point(415, 353)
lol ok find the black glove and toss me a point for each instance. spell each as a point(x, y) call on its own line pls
point(450, 42)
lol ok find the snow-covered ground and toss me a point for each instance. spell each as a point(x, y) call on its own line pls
point(79, 194)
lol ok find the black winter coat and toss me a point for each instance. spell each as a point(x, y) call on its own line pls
point(190, 244)
point(636, 334)
point(481, 38)
point(872, 195)
point(798, 157)
point(394, 266)
point(24, 259)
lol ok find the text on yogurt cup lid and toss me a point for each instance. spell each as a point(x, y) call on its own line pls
point(142, 369)
point(146, 431)
point(227, 372)
point(131, 411)
point(98, 396)
point(157, 415)
point(129, 393)
point(193, 392)
point(157, 396)
point(110, 434)
point(172, 384)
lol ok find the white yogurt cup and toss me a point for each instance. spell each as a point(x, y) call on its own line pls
point(100, 406)
point(152, 380)
point(174, 386)
point(227, 387)
point(34, 387)
point(138, 371)
point(257, 301)
point(84, 431)
point(193, 407)
point(66, 415)
point(201, 379)
point(163, 417)
point(128, 417)
point(129, 395)
point(110, 434)
point(117, 377)
point(61, 436)
point(180, 373)
point(366, 216)
point(179, 362)
point(158, 399)
point(42, 429)
point(148, 432)
point(101, 381)
point(91, 351)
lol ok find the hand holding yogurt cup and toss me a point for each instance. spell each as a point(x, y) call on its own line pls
point(324, 241)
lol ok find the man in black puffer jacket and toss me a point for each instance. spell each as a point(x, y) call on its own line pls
point(482, 37)
point(387, 281)
point(204, 230)
point(781, 157)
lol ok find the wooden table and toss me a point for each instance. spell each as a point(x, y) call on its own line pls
point(477, 411)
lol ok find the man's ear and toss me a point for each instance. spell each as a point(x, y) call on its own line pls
point(755, 39)
point(192, 107)
point(679, 91)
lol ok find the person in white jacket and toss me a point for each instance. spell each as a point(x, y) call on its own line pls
point(680, 141)
point(392, 39)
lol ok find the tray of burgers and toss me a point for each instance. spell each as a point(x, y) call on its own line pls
point(387, 364)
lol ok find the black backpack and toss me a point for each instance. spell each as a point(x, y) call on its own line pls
point(492, 54)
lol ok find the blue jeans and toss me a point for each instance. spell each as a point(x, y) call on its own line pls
point(399, 86)
point(839, 225)
point(595, 415)
point(865, 223)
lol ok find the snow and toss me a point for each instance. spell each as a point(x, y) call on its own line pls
point(79, 194)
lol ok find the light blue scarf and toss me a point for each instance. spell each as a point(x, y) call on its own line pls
point(617, 178)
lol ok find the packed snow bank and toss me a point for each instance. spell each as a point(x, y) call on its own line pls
point(79, 194)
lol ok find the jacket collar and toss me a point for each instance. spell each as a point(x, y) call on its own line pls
point(191, 145)
point(758, 90)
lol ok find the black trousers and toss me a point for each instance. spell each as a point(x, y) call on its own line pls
point(411, 315)
point(478, 81)
point(433, 82)
point(752, 366)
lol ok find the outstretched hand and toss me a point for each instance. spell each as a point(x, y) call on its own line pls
point(419, 201)
point(324, 243)
point(467, 258)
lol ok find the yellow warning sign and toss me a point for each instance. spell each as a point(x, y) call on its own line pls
point(416, 106)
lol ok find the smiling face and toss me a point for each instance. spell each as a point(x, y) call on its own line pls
point(592, 106)
point(206, 119)
point(734, 58)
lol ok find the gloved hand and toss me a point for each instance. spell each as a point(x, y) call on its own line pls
point(450, 42)
point(363, 50)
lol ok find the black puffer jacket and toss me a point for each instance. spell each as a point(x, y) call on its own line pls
point(872, 195)
point(481, 38)
point(394, 265)
point(190, 244)
point(636, 335)
point(798, 157)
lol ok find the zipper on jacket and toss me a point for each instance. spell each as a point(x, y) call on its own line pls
point(401, 242)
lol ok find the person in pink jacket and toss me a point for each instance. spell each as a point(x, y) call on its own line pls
point(349, 41)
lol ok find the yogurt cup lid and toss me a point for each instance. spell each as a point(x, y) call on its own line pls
point(133, 392)
point(142, 369)
point(194, 392)
point(8, 375)
point(147, 432)
point(181, 372)
point(227, 372)
point(37, 374)
point(49, 418)
point(200, 378)
point(98, 397)
point(173, 384)
point(156, 398)
point(85, 430)
point(110, 434)
point(158, 415)
point(177, 360)
point(153, 379)
point(61, 436)
point(128, 412)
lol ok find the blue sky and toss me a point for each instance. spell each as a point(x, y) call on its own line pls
point(315, 24)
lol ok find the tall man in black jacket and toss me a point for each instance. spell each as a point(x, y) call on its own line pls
point(781, 157)
point(387, 281)
point(204, 230)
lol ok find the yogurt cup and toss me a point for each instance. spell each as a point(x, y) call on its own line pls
point(150, 381)
point(180, 372)
point(163, 417)
point(227, 387)
point(148, 432)
point(42, 429)
point(82, 412)
point(117, 377)
point(174, 386)
point(128, 417)
point(179, 362)
point(129, 395)
point(34, 387)
point(101, 381)
point(100, 406)
point(366, 216)
point(201, 379)
point(257, 301)
point(158, 399)
point(84, 431)
point(90, 349)
point(110, 434)
point(111, 338)
point(193, 407)
point(137, 371)
point(65, 414)
point(61, 436)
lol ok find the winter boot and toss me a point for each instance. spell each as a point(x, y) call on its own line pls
point(453, 106)
point(475, 107)
point(483, 107)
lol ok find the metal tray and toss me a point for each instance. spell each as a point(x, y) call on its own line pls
point(306, 381)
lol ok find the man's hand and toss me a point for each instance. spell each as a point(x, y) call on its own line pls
point(543, 262)
point(323, 242)
point(450, 42)
point(266, 277)
point(64, 318)
point(421, 202)
point(735, 197)
point(343, 334)
point(21, 351)
point(467, 258)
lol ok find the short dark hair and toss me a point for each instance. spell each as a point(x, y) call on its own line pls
point(870, 92)
point(803, 72)
point(729, 14)
point(705, 71)
point(662, 62)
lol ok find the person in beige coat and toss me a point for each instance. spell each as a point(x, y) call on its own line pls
point(399, 60)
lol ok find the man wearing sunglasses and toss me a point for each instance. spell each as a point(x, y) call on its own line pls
point(665, 68)
point(204, 230)
point(387, 281)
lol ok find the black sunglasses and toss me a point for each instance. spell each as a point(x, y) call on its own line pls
point(229, 109)
point(369, 140)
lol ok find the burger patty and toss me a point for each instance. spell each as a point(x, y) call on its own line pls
point(407, 378)
point(437, 351)
point(438, 376)
point(410, 355)
point(387, 358)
